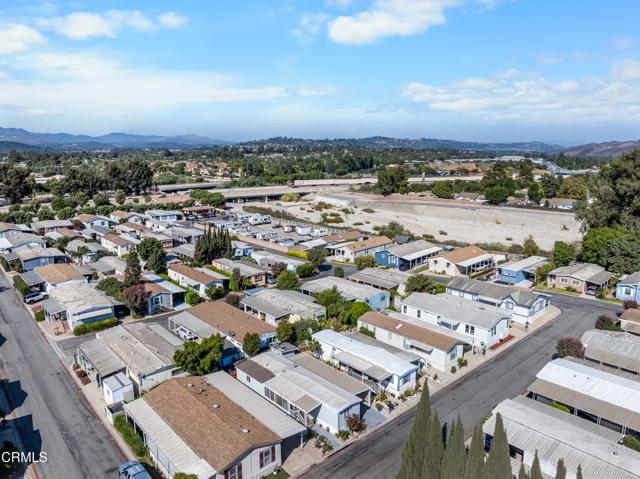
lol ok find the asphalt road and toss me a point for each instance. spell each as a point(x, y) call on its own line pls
point(53, 417)
point(508, 375)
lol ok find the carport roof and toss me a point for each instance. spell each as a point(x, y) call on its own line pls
point(101, 357)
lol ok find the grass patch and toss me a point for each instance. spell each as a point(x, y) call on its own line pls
point(612, 300)
point(133, 439)
point(282, 474)
point(557, 290)
point(421, 269)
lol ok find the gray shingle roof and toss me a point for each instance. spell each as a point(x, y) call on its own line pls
point(492, 290)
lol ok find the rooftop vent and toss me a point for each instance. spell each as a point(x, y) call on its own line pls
point(246, 431)
point(216, 406)
point(190, 385)
point(231, 333)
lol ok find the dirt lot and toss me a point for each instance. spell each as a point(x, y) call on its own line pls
point(462, 221)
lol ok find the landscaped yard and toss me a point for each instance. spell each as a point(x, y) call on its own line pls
point(421, 269)
point(557, 290)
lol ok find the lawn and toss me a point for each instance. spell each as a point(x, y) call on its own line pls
point(557, 290)
point(282, 474)
point(421, 269)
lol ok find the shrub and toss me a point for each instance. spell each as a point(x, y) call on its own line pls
point(95, 326)
point(607, 323)
point(631, 442)
point(338, 271)
point(297, 254)
point(365, 261)
point(125, 428)
point(630, 304)
point(453, 369)
point(570, 347)
point(368, 210)
point(460, 362)
point(367, 332)
point(5, 264)
point(355, 423)
point(343, 434)
point(182, 475)
point(40, 315)
point(379, 405)
point(192, 298)
point(559, 406)
point(305, 270)
point(20, 285)
point(443, 232)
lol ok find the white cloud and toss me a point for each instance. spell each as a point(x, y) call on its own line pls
point(389, 18)
point(626, 70)
point(15, 38)
point(624, 43)
point(83, 25)
point(172, 19)
point(536, 99)
point(550, 59)
point(309, 26)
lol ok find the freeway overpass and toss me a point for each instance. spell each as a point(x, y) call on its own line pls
point(373, 180)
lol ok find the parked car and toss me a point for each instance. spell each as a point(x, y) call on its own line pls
point(591, 290)
point(34, 297)
point(133, 470)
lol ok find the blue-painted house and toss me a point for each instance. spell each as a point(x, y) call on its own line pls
point(629, 287)
point(407, 256)
point(514, 272)
point(241, 249)
point(33, 256)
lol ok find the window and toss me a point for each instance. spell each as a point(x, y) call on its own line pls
point(575, 282)
point(564, 280)
point(508, 305)
point(248, 378)
point(468, 329)
point(234, 472)
point(267, 456)
point(492, 331)
point(418, 313)
point(452, 354)
point(627, 291)
point(404, 380)
point(404, 308)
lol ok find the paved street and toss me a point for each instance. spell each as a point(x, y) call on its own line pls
point(54, 417)
point(473, 397)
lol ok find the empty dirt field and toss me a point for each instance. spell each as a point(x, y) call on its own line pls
point(460, 221)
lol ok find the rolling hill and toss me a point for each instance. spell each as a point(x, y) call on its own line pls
point(607, 149)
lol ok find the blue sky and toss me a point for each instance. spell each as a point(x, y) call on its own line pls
point(487, 70)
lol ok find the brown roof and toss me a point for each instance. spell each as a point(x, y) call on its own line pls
point(224, 317)
point(462, 254)
point(116, 239)
point(198, 208)
point(412, 331)
point(134, 226)
point(58, 273)
point(8, 226)
point(215, 434)
point(631, 315)
point(67, 233)
point(255, 370)
point(368, 243)
point(342, 236)
point(153, 288)
point(84, 217)
point(169, 199)
point(123, 214)
point(192, 273)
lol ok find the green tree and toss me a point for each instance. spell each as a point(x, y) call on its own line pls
point(236, 277)
point(58, 203)
point(337, 306)
point(284, 331)
point(304, 270)
point(66, 213)
point(338, 271)
point(157, 261)
point(442, 189)
point(525, 173)
point(45, 214)
point(62, 243)
point(132, 271)
point(498, 464)
point(574, 187)
point(455, 454)
point(563, 253)
point(550, 184)
point(496, 194)
point(101, 199)
point(200, 358)
point(414, 452)
point(112, 287)
point(597, 239)
point(419, 283)
point(543, 271)
point(215, 292)
point(288, 280)
point(535, 193)
point(120, 197)
point(365, 261)
point(216, 200)
point(251, 344)
point(522, 474)
point(357, 309)
point(390, 180)
point(432, 465)
point(15, 183)
point(81, 198)
point(621, 256)
point(475, 458)
point(530, 247)
point(147, 247)
point(140, 175)
point(561, 470)
point(579, 472)
point(316, 257)
point(536, 472)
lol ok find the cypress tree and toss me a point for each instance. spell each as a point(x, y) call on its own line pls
point(579, 472)
point(432, 467)
point(132, 270)
point(228, 253)
point(561, 471)
point(522, 474)
point(536, 473)
point(455, 455)
point(475, 458)
point(415, 447)
point(499, 463)
point(200, 253)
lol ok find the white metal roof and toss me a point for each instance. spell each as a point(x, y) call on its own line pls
point(279, 422)
point(477, 259)
point(413, 250)
point(349, 290)
point(183, 458)
point(523, 264)
point(596, 383)
point(195, 325)
point(101, 357)
point(533, 426)
point(372, 354)
point(613, 347)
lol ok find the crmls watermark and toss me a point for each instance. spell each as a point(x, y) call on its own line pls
point(23, 457)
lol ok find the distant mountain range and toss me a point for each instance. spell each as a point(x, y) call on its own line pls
point(607, 149)
point(420, 143)
point(66, 141)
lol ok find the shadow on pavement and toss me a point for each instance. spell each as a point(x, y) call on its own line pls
point(14, 392)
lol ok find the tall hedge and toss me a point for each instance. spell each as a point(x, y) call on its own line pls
point(20, 285)
point(125, 428)
point(95, 326)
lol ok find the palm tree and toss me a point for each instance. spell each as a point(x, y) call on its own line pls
point(79, 253)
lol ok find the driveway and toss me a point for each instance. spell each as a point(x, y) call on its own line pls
point(52, 415)
point(473, 397)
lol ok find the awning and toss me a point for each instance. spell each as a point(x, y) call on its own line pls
point(362, 365)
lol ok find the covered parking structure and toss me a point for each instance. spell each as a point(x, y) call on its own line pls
point(96, 356)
